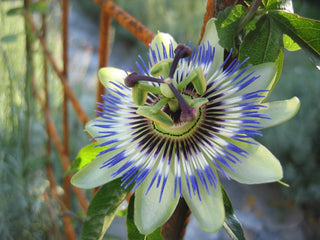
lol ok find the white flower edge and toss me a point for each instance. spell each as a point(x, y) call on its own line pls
point(260, 166)
point(92, 175)
point(149, 213)
point(279, 111)
point(209, 211)
point(111, 74)
point(211, 35)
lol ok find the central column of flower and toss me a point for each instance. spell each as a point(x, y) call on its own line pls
point(170, 92)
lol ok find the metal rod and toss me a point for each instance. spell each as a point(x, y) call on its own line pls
point(141, 32)
point(105, 23)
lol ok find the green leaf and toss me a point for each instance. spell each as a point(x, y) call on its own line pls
point(40, 7)
point(263, 44)
point(285, 5)
point(86, 155)
point(133, 232)
point(9, 38)
point(289, 44)
point(122, 212)
point(304, 31)
point(227, 26)
point(15, 11)
point(102, 210)
point(231, 224)
point(251, 25)
point(279, 64)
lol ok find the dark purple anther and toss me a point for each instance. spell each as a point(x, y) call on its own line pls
point(133, 78)
point(181, 51)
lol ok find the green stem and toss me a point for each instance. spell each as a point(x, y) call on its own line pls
point(249, 15)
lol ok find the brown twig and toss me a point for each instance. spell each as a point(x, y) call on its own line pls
point(142, 33)
point(212, 10)
point(105, 23)
point(53, 133)
point(175, 227)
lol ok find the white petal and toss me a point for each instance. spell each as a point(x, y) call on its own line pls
point(161, 39)
point(91, 175)
point(259, 167)
point(209, 212)
point(267, 73)
point(110, 74)
point(94, 130)
point(279, 111)
point(211, 36)
point(149, 213)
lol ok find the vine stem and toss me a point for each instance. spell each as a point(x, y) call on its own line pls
point(175, 227)
point(249, 15)
point(212, 10)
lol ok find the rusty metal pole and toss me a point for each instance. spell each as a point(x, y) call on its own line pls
point(105, 23)
point(142, 33)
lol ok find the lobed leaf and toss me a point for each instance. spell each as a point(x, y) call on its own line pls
point(304, 31)
point(285, 5)
point(227, 26)
point(264, 44)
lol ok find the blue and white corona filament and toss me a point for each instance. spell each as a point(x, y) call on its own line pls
point(185, 117)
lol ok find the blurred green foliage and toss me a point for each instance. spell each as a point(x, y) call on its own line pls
point(25, 212)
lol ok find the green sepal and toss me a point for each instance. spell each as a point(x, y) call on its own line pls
point(86, 155)
point(158, 117)
point(196, 77)
point(198, 102)
point(139, 95)
point(102, 210)
point(162, 68)
point(231, 224)
point(159, 105)
point(149, 88)
point(133, 232)
point(166, 90)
